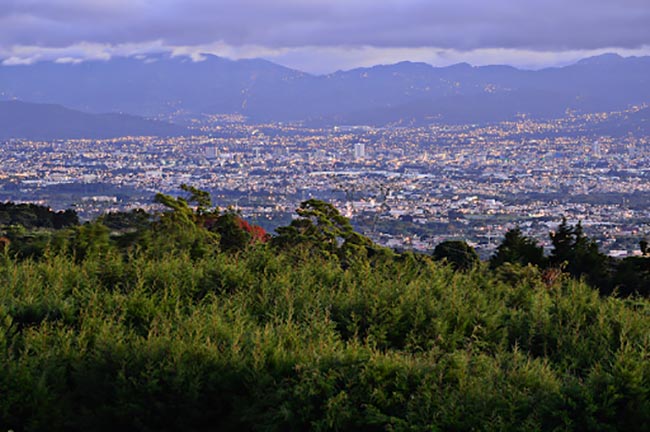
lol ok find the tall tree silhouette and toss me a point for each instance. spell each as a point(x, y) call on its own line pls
point(517, 248)
point(581, 256)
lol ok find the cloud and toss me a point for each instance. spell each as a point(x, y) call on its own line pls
point(337, 29)
point(450, 24)
point(28, 54)
point(312, 59)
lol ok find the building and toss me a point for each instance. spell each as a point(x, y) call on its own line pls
point(596, 150)
point(359, 151)
point(211, 152)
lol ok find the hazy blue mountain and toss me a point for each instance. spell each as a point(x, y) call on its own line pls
point(149, 87)
point(48, 121)
point(400, 93)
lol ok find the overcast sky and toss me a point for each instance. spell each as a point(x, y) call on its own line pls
point(325, 35)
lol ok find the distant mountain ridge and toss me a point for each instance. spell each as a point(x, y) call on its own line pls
point(49, 121)
point(401, 93)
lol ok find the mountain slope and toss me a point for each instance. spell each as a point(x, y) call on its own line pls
point(47, 121)
point(635, 122)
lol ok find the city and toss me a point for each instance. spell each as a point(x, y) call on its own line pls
point(404, 187)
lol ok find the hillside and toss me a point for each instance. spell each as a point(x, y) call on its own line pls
point(48, 121)
point(193, 319)
point(635, 123)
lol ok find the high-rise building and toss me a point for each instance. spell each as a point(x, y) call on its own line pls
point(596, 151)
point(211, 152)
point(359, 151)
point(631, 149)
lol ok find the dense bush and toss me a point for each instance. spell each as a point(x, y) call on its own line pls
point(164, 325)
point(259, 341)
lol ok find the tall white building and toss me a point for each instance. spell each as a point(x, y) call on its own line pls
point(596, 151)
point(211, 152)
point(359, 151)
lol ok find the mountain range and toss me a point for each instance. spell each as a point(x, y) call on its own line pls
point(405, 93)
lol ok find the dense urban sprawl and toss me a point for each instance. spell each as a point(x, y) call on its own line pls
point(404, 187)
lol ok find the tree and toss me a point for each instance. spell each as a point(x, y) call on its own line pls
point(580, 254)
point(236, 234)
point(201, 198)
point(133, 220)
point(64, 219)
point(178, 209)
point(181, 227)
point(632, 276)
point(36, 216)
point(517, 248)
point(319, 224)
point(456, 253)
point(321, 228)
point(563, 243)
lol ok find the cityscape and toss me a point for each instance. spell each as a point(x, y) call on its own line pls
point(408, 188)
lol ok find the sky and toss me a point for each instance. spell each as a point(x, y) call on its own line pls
point(322, 36)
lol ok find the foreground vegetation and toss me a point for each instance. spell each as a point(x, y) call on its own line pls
point(198, 321)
